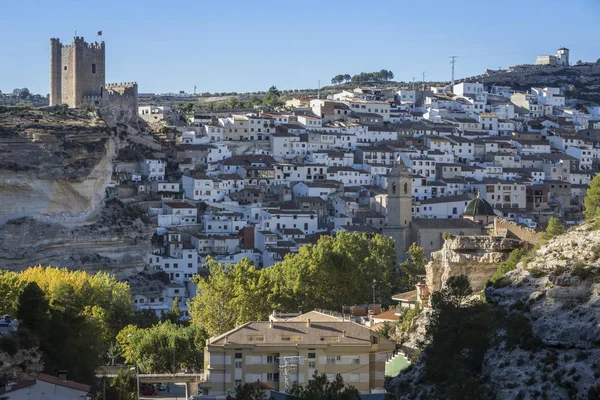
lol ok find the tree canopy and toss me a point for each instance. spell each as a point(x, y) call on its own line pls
point(163, 348)
point(383, 75)
point(337, 271)
point(320, 388)
point(554, 229)
point(71, 316)
point(592, 199)
point(456, 340)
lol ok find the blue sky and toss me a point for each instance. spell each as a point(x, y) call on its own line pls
point(250, 45)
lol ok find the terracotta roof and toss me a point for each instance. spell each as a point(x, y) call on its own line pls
point(346, 333)
point(70, 384)
point(387, 315)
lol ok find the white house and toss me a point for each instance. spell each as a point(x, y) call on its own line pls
point(441, 207)
point(177, 213)
point(153, 170)
point(46, 387)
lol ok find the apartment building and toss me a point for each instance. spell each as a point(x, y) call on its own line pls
point(253, 352)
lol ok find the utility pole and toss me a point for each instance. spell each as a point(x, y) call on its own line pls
point(453, 61)
point(413, 85)
point(289, 363)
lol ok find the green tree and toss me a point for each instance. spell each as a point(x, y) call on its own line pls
point(10, 287)
point(163, 348)
point(311, 278)
point(319, 388)
point(554, 229)
point(272, 97)
point(32, 309)
point(248, 391)
point(174, 314)
point(212, 307)
point(124, 384)
point(231, 295)
point(347, 77)
point(412, 268)
point(592, 199)
point(456, 341)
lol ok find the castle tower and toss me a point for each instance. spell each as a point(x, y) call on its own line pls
point(563, 56)
point(76, 71)
point(399, 207)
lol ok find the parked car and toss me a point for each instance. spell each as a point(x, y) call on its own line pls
point(149, 391)
point(161, 387)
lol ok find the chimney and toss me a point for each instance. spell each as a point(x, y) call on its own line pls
point(62, 375)
point(308, 322)
point(271, 324)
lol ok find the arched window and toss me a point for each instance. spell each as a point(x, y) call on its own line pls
point(93, 68)
point(393, 187)
point(405, 188)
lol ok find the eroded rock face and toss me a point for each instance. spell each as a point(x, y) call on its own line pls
point(474, 256)
point(23, 365)
point(555, 292)
point(54, 169)
point(116, 242)
point(55, 164)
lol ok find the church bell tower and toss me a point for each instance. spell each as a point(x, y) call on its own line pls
point(399, 207)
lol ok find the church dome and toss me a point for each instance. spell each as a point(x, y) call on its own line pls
point(479, 207)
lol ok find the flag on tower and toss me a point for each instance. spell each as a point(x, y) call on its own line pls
point(99, 33)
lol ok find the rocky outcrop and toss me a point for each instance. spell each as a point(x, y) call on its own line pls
point(22, 364)
point(474, 256)
point(55, 167)
point(559, 290)
point(116, 241)
point(546, 342)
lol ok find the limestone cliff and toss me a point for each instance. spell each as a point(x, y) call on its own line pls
point(474, 256)
point(116, 241)
point(54, 169)
point(54, 165)
point(545, 341)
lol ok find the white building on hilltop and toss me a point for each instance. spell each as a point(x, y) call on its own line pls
point(561, 58)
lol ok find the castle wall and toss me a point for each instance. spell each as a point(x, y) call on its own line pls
point(119, 103)
point(67, 71)
point(522, 233)
point(55, 72)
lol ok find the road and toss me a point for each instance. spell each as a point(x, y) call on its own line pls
point(176, 392)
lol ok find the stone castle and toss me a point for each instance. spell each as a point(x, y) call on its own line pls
point(78, 78)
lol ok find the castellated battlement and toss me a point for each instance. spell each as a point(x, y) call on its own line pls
point(121, 84)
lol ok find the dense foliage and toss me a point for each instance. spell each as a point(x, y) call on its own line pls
point(71, 316)
point(456, 340)
point(337, 271)
point(554, 229)
point(164, 347)
point(592, 199)
point(383, 75)
point(320, 388)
